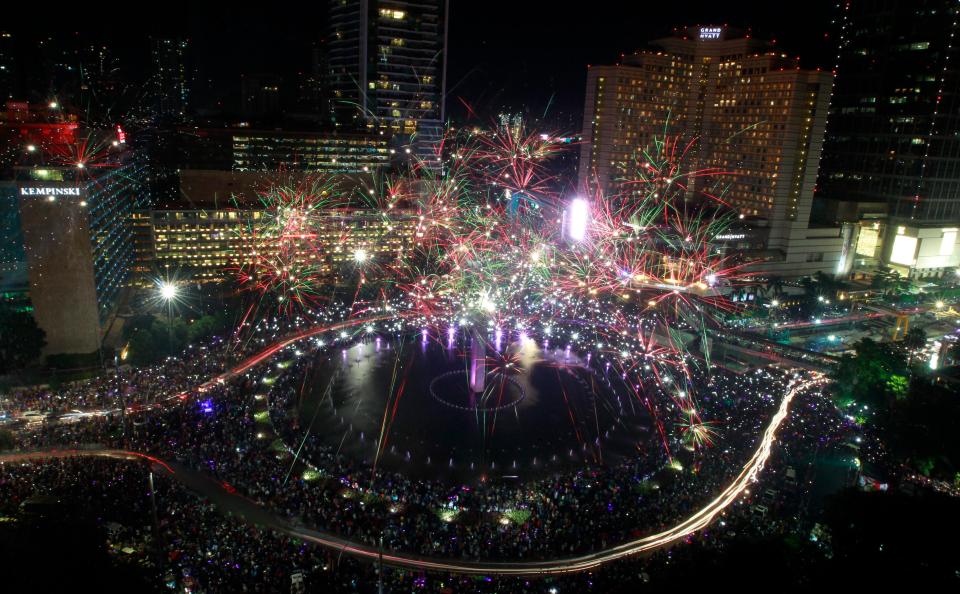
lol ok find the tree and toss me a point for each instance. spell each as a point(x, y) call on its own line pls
point(21, 339)
point(869, 377)
point(897, 386)
point(773, 286)
point(889, 281)
point(922, 430)
point(136, 323)
point(143, 347)
point(953, 355)
point(829, 285)
point(821, 285)
point(915, 338)
point(881, 279)
point(154, 339)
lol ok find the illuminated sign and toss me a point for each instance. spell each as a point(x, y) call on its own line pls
point(867, 242)
point(41, 191)
point(904, 248)
point(710, 32)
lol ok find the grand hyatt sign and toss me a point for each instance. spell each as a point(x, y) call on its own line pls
point(41, 191)
point(710, 32)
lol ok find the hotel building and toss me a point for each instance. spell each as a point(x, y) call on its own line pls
point(748, 112)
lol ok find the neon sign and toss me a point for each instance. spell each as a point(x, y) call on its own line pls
point(710, 32)
point(40, 191)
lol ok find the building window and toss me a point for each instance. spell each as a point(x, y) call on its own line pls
point(389, 13)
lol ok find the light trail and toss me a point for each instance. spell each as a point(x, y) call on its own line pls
point(696, 522)
point(284, 343)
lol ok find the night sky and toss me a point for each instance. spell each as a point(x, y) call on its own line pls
point(515, 55)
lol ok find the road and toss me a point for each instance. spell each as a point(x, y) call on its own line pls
point(227, 499)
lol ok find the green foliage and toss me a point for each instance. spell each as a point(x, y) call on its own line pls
point(870, 376)
point(136, 323)
point(889, 281)
point(143, 349)
point(21, 340)
point(922, 430)
point(915, 338)
point(152, 339)
point(517, 516)
point(772, 288)
point(897, 386)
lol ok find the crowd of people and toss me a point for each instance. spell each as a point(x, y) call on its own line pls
point(133, 387)
point(565, 513)
point(204, 551)
point(222, 432)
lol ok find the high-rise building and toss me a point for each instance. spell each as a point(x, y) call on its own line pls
point(67, 194)
point(27, 133)
point(386, 68)
point(171, 80)
point(245, 149)
point(893, 139)
point(745, 109)
point(79, 250)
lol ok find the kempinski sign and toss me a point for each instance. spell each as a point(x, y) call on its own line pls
point(40, 191)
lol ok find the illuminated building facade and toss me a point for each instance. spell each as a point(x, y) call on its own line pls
point(27, 132)
point(79, 250)
point(386, 68)
point(894, 133)
point(209, 246)
point(750, 113)
point(207, 237)
point(65, 242)
point(241, 149)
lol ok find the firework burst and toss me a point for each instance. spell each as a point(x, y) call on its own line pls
point(490, 250)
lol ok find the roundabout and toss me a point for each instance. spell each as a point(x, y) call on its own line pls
point(519, 387)
point(407, 404)
point(228, 500)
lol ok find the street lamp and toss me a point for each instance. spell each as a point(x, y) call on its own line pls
point(169, 292)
